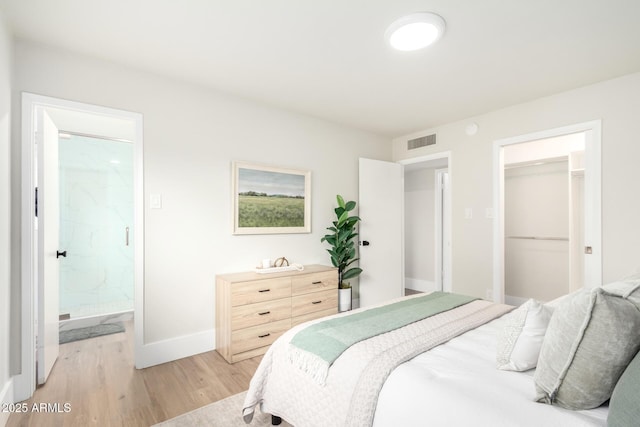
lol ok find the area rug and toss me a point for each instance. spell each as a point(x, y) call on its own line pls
point(90, 332)
point(224, 413)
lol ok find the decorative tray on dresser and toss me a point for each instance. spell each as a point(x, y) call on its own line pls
point(252, 309)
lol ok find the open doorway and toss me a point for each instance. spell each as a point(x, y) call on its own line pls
point(427, 224)
point(543, 211)
point(382, 202)
point(555, 226)
point(46, 165)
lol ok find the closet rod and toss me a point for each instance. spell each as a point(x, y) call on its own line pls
point(88, 135)
point(538, 238)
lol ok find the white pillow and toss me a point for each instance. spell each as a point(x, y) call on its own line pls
point(521, 338)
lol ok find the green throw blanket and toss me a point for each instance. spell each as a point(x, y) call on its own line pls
point(317, 346)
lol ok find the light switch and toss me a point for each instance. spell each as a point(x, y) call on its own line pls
point(468, 213)
point(155, 201)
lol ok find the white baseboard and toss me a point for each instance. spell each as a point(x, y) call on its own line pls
point(83, 322)
point(176, 348)
point(419, 285)
point(6, 396)
point(517, 301)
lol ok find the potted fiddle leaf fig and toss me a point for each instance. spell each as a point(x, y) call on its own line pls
point(343, 248)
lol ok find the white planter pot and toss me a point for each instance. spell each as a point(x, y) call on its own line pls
point(344, 299)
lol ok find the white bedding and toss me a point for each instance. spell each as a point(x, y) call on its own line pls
point(348, 397)
point(458, 384)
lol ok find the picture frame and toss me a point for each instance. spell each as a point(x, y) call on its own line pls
point(270, 200)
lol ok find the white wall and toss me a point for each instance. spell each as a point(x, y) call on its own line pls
point(615, 102)
point(191, 136)
point(5, 215)
point(419, 226)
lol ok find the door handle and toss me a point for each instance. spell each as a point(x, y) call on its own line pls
point(364, 243)
point(61, 254)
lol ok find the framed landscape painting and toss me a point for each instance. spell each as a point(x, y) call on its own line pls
point(270, 200)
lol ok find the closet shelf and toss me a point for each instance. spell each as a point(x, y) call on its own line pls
point(538, 238)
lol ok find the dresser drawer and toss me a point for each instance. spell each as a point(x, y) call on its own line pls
point(315, 301)
point(311, 316)
point(314, 282)
point(245, 316)
point(260, 290)
point(258, 336)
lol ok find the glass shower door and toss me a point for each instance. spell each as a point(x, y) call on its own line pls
point(96, 226)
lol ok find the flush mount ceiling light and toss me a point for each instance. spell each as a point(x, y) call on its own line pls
point(415, 31)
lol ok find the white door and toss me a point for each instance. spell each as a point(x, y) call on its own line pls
point(48, 228)
point(443, 230)
point(381, 209)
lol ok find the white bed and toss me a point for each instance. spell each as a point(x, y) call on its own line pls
point(457, 384)
point(453, 384)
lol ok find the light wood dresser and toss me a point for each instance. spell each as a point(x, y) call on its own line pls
point(253, 309)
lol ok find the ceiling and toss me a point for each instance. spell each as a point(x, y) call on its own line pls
point(329, 59)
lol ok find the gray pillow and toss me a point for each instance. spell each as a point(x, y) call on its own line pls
point(627, 288)
point(623, 408)
point(589, 342)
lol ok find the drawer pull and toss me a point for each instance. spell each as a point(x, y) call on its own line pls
point(264, 290)
point(317, 282)
point(264, 336)
point(264, 313)
point(316, 302)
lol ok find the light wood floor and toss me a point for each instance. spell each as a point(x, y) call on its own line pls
point(98, 379)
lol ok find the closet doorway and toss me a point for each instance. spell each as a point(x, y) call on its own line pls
point(547, 234)
point(543, 209)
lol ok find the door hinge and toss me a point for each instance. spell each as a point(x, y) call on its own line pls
point(36, 202)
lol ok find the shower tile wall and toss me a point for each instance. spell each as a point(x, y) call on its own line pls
point(96, 206)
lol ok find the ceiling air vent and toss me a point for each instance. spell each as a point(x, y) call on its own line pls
point(423, 141)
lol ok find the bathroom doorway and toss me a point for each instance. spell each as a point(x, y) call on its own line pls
point(45, 120)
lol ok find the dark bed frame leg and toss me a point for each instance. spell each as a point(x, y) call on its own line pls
point(275, 421)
